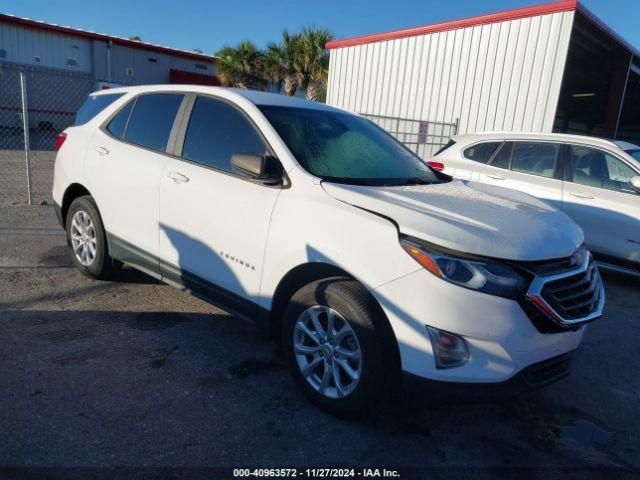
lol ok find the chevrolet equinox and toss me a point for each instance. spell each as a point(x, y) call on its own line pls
point(370, 267)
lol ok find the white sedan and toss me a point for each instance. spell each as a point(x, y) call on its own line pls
point(596, 182)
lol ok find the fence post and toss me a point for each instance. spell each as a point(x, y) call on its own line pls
point(25, 129)
point(457, 125)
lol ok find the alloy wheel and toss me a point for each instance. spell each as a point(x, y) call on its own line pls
point(83, 238)
point(327, 351)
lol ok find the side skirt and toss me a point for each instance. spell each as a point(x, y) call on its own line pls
point(199, 287)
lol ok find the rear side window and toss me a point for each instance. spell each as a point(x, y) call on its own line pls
point(118, 123)
point(535, 158)
point(481, 152)
point(93, 105)
point(503, 157)
point(216, 131)
point(152, 118)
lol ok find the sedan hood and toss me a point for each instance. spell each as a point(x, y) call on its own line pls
point(471, 218)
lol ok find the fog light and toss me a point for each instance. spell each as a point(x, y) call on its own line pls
point(450, 350)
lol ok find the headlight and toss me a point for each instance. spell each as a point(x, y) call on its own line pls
point(484, 276)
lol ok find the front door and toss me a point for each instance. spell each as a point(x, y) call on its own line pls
point(214, 223)
point(599, 198)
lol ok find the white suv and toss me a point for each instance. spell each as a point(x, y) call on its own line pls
point(594, 181)
point(365, 262)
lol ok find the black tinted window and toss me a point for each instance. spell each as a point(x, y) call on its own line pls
point(503, 157)
point(216, 131)
point(93, 105)
point(481, 152)
point(535, 158)
point(152, 118)
point(119, 122)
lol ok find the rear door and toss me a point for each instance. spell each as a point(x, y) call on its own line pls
point(213, 222)
point(530, 167)
point(597, 195)
point(125, 160)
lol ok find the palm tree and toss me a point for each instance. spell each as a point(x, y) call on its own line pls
point(314, 61)
point(283, 65)
point(241, 66)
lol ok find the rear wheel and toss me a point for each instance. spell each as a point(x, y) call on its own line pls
point(337, 344)
point(87, 240)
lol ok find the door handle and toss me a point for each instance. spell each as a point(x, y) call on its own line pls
point(102, 151)
point(495, 176)
point(178, 177)
point(581, 195)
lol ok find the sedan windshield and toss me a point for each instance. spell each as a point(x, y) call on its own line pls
point(345, 148)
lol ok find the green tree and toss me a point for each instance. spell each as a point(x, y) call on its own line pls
point(283, 63)
point(314, 61)
point(242, 66)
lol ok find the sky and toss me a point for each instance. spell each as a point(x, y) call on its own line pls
point(210, 25)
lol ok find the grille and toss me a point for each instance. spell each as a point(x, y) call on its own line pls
point(576, 296)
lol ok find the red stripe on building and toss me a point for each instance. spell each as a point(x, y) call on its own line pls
point(515, 14)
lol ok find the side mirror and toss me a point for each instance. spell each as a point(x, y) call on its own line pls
point(262, 168)
point(635, 183)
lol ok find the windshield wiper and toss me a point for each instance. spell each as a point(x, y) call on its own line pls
point(413, 181)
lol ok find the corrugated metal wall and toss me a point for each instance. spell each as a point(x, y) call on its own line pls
point(499, 76)
point(22, 45)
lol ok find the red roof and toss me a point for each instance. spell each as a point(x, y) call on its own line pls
point(533, 11)
point(101, 36)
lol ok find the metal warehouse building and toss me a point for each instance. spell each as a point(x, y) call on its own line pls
point(552, 67)
point(47, 71)
point(61, 65)
point(108, 58)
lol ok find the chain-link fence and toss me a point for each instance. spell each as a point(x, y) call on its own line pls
point(36, 104)
point(423, 137)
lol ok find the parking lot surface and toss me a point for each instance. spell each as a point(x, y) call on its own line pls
point(134, 373)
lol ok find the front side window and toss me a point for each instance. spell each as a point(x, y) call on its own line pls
point(594, 168)
point(93, 105)
point(216, 132)
point(535, 158)
point(152, 118)
point(345, 148)
point(481, 152)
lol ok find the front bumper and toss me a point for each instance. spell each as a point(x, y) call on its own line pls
point(501, 338)
point(530, 378)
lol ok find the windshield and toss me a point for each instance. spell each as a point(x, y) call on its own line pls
point(345, 148)
point(634, 153)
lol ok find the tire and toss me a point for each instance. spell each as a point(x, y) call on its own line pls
point(98, 265)
point(351, 304)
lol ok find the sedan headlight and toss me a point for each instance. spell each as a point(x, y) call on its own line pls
point(485, 276)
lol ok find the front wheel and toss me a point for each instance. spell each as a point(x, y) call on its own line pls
point(338, 346)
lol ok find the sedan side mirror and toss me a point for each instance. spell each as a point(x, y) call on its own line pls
point(635, 183)
point(263, 168)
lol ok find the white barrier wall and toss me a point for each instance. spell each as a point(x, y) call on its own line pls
point(497, 76)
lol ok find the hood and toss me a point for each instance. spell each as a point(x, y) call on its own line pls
point(471, 218)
